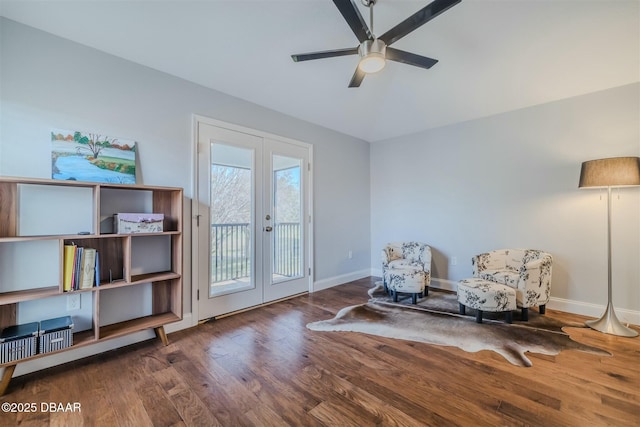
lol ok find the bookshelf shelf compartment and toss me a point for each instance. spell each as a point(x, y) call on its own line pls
point(38, 217)
point(153, 277)
point(134, 325)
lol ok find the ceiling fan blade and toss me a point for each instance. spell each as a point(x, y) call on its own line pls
point(357, 78)
point(324, 54)
point(410, 58)
point(419, 18)
point(351, 14)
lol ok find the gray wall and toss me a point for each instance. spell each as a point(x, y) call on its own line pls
point(47, 82)
point(511, 180)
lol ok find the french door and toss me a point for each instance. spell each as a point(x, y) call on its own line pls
point(252, 226)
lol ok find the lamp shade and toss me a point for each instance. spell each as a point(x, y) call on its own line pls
point(611, 172)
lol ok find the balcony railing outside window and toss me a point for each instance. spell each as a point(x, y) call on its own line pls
point(286, 254)
point(231, 251)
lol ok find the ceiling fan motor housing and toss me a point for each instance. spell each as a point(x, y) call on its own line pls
point(375, 46)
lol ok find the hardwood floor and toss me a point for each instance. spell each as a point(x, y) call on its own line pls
point(264, 368)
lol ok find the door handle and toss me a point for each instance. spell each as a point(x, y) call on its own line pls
point(268, 228)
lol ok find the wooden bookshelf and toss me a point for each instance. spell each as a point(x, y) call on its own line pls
point(123, 273)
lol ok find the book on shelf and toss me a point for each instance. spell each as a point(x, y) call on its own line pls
point(88, 268)
point(97, 268)
point(68, 261)
point(76, 268)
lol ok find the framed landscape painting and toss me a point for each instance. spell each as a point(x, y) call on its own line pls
point(92, 157)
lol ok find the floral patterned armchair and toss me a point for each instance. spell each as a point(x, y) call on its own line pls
point(528, 271)
point(406, 254)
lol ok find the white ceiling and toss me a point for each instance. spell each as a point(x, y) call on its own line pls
point(495, 55)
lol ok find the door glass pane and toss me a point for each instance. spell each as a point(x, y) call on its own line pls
point(232, 243)
point(287, 209)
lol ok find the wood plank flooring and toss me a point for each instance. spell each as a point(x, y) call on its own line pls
point(264, 368)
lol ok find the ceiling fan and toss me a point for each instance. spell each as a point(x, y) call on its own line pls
point(374, 51)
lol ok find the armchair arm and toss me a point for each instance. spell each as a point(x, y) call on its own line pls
point(479, 263)
point(425, 258)
point(535, 281)
point(386, 258)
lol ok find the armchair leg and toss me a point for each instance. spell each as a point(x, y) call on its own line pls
point(414, 298)
point(525, 314)
point(542, 309)
point(478, 316)
point(395, 296)
point(462, 308)
point(507, 317)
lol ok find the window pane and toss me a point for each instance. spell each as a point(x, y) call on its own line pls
point(231, 219)
point(287, 244)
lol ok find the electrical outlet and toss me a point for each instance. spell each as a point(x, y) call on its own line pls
point(454, 260)
point(73, 302)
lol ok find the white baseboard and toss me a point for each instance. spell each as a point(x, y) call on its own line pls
point(444, 284)
point(185, 323)
point(339, 280)
point(593, 310)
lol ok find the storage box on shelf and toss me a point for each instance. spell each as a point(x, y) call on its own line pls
point(129, 223)
point(18, 342)
point(55, 334)
point(38, 217)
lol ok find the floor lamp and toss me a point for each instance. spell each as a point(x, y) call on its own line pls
point(611, 172)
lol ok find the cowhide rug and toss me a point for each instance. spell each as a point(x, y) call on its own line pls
point(435, 320)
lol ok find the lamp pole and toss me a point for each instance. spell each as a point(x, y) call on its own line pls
point(609, 323)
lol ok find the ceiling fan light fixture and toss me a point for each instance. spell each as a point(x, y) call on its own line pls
point(372, 63)
point(372, 54)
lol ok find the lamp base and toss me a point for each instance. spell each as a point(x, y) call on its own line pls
point(609, 324)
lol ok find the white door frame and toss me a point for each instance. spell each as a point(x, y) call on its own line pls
point(195, 209)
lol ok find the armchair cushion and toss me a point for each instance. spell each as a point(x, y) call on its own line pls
point(505, 277)
point(405, 262)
